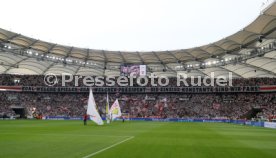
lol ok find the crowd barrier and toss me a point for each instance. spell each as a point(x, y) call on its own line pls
point(240, 122)
point(61, 118)
point(180, 120)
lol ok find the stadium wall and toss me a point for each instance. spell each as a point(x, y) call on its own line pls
point(240, 122)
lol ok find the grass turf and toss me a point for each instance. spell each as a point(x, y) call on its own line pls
point(66, 139)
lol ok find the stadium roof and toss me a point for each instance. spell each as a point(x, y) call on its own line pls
point(107, 62)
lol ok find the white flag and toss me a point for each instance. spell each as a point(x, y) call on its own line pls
point(92, 111)
point(115, 110)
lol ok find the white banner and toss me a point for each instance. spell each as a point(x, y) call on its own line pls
point(143, 70)
point(270, 124)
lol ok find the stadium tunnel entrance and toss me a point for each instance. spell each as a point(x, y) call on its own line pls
point(19, 110)
point(252, 113)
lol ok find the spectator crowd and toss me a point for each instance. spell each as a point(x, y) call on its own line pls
point(164, 105)
point(220, 105)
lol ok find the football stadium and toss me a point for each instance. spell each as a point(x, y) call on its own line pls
point(64, 101)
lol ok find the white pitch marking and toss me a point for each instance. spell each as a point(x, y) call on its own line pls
point(111, 146)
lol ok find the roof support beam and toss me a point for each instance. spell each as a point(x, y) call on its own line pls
point(214, 45)
point(69, 52)
point(48, 68)
point(154, 53)
point(77, 70)
point(219, 47)
point(139, 55)
point(200, 70)
point(34, 42)
point(269, 57)
point(13, 37)
point(14, 65)
point(264, 35)
point(236, 43)
point(230, 71)
point(173, 56)
point(166, 66)
point(203, 51)
point(87, 55)
point(259, 68)
point(105, 58)
point(51, 48)
point(183, 51)
point(48, 51)
point(247, 72)
point(124, 60)
point(253, 33)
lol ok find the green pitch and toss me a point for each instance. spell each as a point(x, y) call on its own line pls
point(66, 139)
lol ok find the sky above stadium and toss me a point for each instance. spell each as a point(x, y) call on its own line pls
point(129, 25)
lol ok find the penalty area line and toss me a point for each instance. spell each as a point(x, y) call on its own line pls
point(104, 149)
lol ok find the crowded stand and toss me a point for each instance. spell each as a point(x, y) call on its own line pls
point(161, 105)
point(231, 106)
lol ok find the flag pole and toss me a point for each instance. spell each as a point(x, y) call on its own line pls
point(107, 109)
